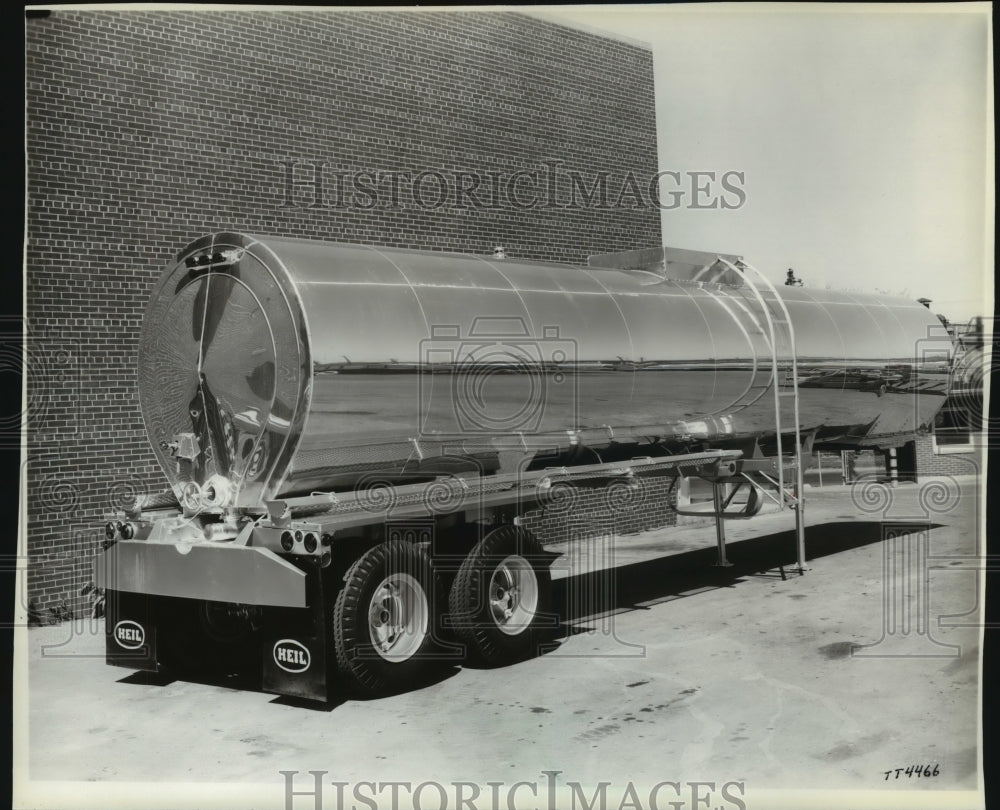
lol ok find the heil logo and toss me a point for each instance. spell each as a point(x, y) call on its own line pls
point(291, 656)
point(129, 634)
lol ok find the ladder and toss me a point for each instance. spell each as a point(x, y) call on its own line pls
point(779, 325)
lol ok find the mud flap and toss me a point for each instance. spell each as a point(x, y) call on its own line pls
point(130, 631)
point(298, 657)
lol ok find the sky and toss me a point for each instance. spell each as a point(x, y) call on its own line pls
point(864, 136)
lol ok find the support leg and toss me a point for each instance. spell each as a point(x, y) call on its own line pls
point(720, 528)
point(800, 536)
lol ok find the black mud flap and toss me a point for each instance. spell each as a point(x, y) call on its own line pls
point(130, 631)
point(297, 650)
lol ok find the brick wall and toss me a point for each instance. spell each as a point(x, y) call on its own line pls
point(148, 129)
point(615, 509)
point(931, 462)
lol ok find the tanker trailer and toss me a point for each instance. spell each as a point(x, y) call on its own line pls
point(351, 434)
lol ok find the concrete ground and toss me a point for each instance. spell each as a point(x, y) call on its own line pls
point(668, 668)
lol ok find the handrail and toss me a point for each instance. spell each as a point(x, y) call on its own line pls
point(748, 272)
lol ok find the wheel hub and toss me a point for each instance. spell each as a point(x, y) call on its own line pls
point(398, 617)
point(513, 595)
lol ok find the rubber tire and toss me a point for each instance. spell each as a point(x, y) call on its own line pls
point(469, 609)
point(361, 667)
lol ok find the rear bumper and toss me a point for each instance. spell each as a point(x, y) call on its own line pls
point(220, 572)
point(154, 632)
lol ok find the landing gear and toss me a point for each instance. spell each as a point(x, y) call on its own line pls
point(500, 595)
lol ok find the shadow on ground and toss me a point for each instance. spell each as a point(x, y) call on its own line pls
point(640, 585)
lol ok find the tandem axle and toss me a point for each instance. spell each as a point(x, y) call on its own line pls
point(323, 589)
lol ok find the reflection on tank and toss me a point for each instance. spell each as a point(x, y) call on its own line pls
point(212, 426)
point(890, 379)
point(235, 436)
point(307, 365)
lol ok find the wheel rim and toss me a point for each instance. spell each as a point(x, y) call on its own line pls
point(397, 617)
point(513, 595)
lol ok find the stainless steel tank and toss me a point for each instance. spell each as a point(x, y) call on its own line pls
point(271, 366)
